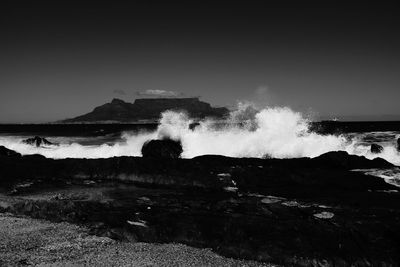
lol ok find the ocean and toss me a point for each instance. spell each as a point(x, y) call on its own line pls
point(272, 133)
point(275, 132)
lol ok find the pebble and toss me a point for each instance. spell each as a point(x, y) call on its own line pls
point(324, 215)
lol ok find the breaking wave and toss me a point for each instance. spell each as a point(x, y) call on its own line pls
point(276, 132)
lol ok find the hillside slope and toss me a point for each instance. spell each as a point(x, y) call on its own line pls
point(148, 109)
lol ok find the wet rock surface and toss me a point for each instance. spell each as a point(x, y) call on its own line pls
point(294, 212)
point(285, 230)
point(330, 170)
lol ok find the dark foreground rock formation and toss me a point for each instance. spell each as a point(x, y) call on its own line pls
point(149, 110)
point(165, 148)
point(294, 212)
point(398, 144)
point(329, 169)
point(8, 153)
point(38, 141)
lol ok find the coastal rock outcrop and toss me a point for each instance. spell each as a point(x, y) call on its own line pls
point(319, 202)
point(38, 141)
point(165, 148)
point(244, 226)
point(376, 149)
point(5, 152)
point(161, 166)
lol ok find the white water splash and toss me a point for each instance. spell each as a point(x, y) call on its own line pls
point(271, 132)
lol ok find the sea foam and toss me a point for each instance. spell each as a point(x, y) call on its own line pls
point(276, 132)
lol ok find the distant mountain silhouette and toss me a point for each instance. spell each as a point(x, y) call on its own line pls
point(148, 109)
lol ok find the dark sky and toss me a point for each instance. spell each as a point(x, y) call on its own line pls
point(61, 59)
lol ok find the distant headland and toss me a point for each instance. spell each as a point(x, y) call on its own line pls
point(148, 110)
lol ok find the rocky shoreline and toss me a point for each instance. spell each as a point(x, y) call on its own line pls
point(291, 212)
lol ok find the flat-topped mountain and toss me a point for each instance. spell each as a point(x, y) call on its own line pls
point(148, 109)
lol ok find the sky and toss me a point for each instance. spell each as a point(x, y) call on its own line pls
point(61, 59)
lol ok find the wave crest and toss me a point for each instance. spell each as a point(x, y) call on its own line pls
point(277, 132)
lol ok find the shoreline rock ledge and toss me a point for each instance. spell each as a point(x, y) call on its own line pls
point(290, 212)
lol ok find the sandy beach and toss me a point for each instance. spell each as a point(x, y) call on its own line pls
point(32, 242)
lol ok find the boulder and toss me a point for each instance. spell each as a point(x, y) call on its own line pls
point(166, 148)
point(38, 141)
point(5, 152)
point(375, 148)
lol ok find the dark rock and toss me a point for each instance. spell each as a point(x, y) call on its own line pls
point(161, 167)
point(190, 207)
point(5, 152)
point(242, 227)
point(343, 160)
point(376, 149)
point(34, 158)
point(166, 148)
point(398, 144)
point(38, 141)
